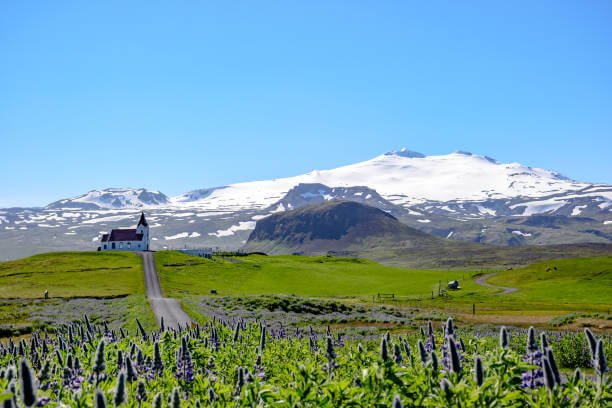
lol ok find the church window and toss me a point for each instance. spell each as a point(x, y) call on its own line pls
point(113, 245)
point(129, 245)
point(121, 245)
point(104, 246)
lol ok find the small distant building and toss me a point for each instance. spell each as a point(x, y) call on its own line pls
point(127, 239)
point(453, 284)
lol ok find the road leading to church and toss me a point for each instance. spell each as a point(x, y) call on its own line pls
point(170, 309)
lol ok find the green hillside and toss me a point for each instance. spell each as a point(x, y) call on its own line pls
point(70, 274)
point(320, 276)
point(578, 280)
point(105, 286)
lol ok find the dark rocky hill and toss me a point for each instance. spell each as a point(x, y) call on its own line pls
point(347, 228)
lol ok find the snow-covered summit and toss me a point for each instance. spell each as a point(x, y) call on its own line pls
point(403, 152)
point(405, 178)
point(113, 199)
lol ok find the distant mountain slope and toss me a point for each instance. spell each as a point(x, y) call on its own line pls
point(348, 228)
point(112, 199)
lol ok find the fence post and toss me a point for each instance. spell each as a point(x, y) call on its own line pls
point(473, 308)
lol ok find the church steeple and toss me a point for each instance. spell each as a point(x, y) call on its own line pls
point(142, 221)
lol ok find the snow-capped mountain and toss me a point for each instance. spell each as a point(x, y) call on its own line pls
point(404, 178)
point(112, 199)
point(456, 196)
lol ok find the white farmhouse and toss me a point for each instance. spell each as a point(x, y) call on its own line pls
point(127, 239)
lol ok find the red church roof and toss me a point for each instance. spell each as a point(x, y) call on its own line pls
point(124, 235)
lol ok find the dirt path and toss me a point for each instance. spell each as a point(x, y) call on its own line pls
point(169, 309)
point(482, 280)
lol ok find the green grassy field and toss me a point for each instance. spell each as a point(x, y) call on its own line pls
point(72, 274)
point(582, 284)
point(578, 280)
point(106, 286)
point(323, 276)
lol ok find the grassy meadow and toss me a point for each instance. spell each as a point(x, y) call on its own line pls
point(320, 276)
point(105, 286)
point(72, 274)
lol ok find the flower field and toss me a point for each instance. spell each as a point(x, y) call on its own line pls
point(239, 363)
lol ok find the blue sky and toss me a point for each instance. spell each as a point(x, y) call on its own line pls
point(180, 95)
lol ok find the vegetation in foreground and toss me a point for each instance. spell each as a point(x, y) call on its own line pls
point(250, 364)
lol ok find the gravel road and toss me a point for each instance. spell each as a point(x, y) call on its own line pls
point(169, 309)
point(482, 280)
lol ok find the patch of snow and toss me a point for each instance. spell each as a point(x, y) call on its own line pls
point(538, 207)
point(95, 239)
point(177, 236)
point(280, 208)
point(450, 234)
point(69, 233)
point(578, 209)
point(522, 234)
point(485, 210)
point(47, 226)
point(153, 239)
point(23, 228)
point(9, 228)
point(194, 235)
point(112, 218)
point(242, 226)
point(258, 217)
point(368, 196)
point(411, 212)
point(607, 222)
point(425, 220)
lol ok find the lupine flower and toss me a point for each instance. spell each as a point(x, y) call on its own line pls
point(158, 400)
point(141, 391)
point(384, 351)
point(478, 371)
point(158, 364)
point(422, 352)
point(262, 340)
point(549, 378)
point(211, 395)
point(601, 366)
point(553, 365)
point(99, 364)
point(120, 394)
point(434, 361)
point(99, 399)
point(543, 342)
point(532, 346)
point(503, 338)
point(454, 356)
point(28, 385)
point(131, 372)
point(592, 344)
point(397, 354)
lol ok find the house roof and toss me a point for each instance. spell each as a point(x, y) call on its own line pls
point(104, 237)
point(124, 235)
point(143, 220)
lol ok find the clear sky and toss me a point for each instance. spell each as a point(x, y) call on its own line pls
point(179, 95)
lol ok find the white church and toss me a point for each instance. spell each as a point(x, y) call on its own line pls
point(127, 239)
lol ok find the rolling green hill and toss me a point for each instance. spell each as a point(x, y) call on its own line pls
point(71, 274)
point(105, 286)
point(320, 276)
point(579, 280)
